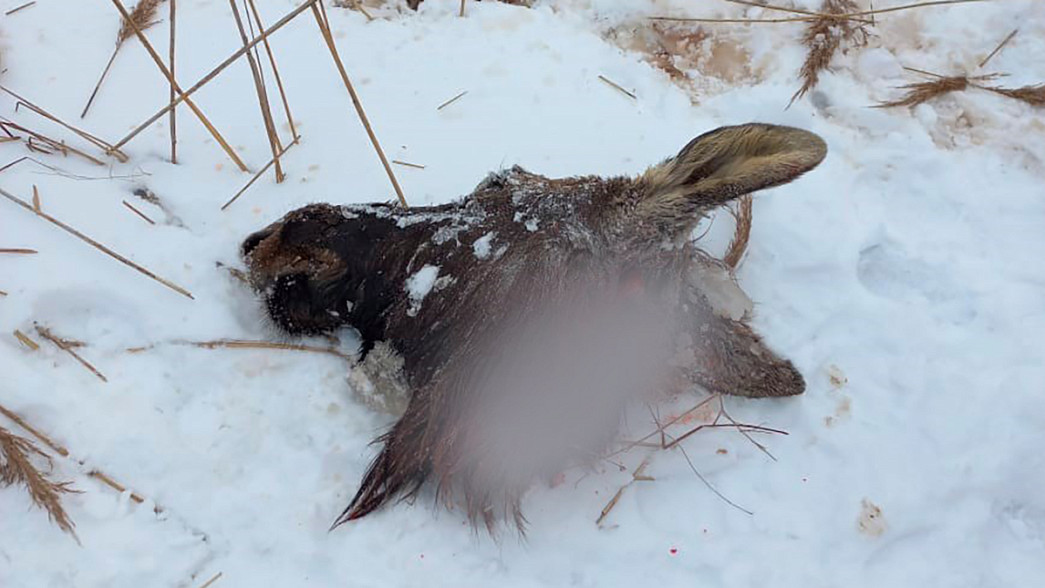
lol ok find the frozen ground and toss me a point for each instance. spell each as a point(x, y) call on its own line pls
point(908, 267)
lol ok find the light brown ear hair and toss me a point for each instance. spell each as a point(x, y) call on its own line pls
point(721, 165)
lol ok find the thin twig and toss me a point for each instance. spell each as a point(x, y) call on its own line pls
point(35, 433)
point(244, 344)
point(635, 477)
point(784, 9)
point(138, 212)
point(1000, 46)
point(170, 78)
point(617, 86)
point(451, 101)
point(408, 164)
point(709, 484)
point(263, 99)
point(94, 243)
point(211, 581)
point(18, 250)
point(105, 479)
point(319, 11)
point(53, 144)
point(142, 17)
point(37, 207)
point(259, 173)
point(184, 95)
point(275, 70)
point(462, 9)
point(47, 334)
point(17, 8)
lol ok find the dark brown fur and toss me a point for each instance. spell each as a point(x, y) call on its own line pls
point(516, 242)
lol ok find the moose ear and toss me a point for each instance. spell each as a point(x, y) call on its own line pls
point(722, 165)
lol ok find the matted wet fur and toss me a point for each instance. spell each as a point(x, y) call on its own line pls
point(438, 285)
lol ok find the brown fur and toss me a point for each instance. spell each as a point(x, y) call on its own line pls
point(519, 243)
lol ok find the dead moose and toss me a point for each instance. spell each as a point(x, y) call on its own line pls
point(519, 319)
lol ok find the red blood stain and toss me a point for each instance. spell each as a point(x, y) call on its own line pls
point(673, 551)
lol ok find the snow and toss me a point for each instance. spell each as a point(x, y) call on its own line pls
point(419, 284)
point(903, 277)
point(481, 246)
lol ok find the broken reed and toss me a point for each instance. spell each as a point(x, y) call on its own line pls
point(823, 37)
point(16, 467)
point(922, 92)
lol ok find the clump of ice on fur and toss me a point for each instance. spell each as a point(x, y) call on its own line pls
point(482, 245)
point(419, 284)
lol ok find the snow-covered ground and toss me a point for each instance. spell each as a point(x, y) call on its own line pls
point(903, 276)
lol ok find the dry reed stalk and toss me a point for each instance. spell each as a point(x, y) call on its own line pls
point(173, 92)
point(138, 212)
point(61, 344)
point(636, 476)
point(143, 17)
point(783, 9)
point(263, 100)
point(105, 479)
point(184, 95)
point(260, 173)
point(319, 11)
point(18, 8)
point(2, 293)
point(618, 87)
point(243, 344)
point(451, 101)
point(823, 37)
point(873, 12)
point(19, 251)
point(1000, 46)
point(170, 78)
point(921, 92)
point(32, 431)
point(97, 142)
point(52, 144)
point(16, 467)
point(94, 243)
point(730, 20)
point(462, 9)
point(213, 579)
point(741, 234)
point(36, 200)
point(408, 164)
point(275, 70)
point(25, 340)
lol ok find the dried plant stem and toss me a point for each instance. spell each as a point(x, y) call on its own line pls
point(636, 476)
point(52, 144)
point(213, 579)
point(32, 431)
point(259, 173)
point(408, 164)
point(142, 17)
point(170, 78)
point(105, 479)
point(184, 95)
point(263, 100)
point(47, 334)
point(275, 70)
point(781, 8)
point(618, 87)
point(79, 132)
point(25, 340)
point(17, 8)
point(320, 13)
point(462, 8)
point(451, 101)
point(243, 344)
point(1000, 46)
point(101, 78)
point(94, 243)
point(173, 92)
point(138, 212)
point(20, 251)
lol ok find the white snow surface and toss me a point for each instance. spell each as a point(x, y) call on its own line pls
point(419, 284)
point(903, 276)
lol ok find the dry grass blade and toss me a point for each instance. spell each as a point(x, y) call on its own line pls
point(1033, 95)
point(173, 92)
point(319, 11)
point(408, 164)
point(2, 293)
point(16, 467)
point(741, 234)
point(94, 243)
point(105, 145)
point(922, 92)
point(138, 212)
point(785, 9)
point(105, 479)
point(451, 101)
point(49, 146)
point(17, 8)
point(19, 251)
point(823, 37)
point(613, 84)
point(64, 346)
point(213, 579)
point(275, 70)
point(142, 17)
point(636, 476)
point(25, 340)
point(1000, 46)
